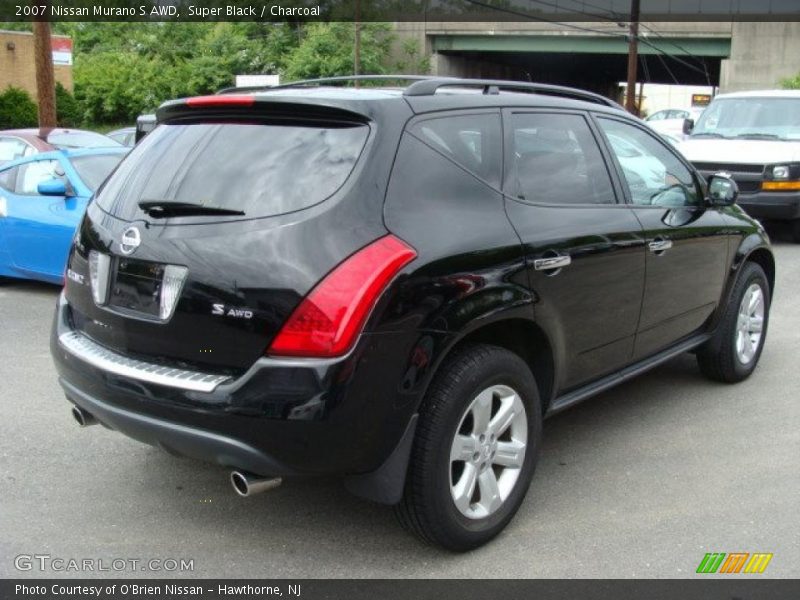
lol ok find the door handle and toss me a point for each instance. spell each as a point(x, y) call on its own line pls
point(551, 263)
point(659, 245)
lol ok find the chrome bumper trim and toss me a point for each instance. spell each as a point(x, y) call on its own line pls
point(81, 347)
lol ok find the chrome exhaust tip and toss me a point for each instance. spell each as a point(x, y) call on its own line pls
point(83, 418)
point(246, 484)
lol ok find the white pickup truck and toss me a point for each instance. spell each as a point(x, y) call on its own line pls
point(754, 136)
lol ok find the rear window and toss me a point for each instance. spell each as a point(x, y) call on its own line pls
point(93, 170)
point(260, 169)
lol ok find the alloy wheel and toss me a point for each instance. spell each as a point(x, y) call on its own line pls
point(750, 324)
point(488, 451)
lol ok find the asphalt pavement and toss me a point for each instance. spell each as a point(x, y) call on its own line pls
point(640, 481)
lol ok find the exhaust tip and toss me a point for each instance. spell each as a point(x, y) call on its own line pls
point(83, 418)
point(239, 482)
point(247, 484)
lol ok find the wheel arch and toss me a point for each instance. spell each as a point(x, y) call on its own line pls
point(765, 259)
point(754, 249)
point(521, 336)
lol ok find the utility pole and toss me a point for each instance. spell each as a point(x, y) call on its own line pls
point(45, 78)
point(633, 58)
point(357, 45)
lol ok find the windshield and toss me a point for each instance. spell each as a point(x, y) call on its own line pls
point(258, 169)
point(93, 170)
point(770, 118)
point(81, 139)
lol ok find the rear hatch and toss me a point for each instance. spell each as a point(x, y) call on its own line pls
point(213, 229)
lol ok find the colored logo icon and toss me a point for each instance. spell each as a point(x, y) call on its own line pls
point(734, 562)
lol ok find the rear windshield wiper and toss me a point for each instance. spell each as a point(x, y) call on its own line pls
point(168, 208)
point(757, 135)
point(707, 134)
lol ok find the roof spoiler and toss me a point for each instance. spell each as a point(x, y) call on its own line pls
point(251, 105)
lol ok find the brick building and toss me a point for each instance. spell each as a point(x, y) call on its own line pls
point(17, 66)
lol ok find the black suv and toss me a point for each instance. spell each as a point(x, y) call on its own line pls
point(396, 285)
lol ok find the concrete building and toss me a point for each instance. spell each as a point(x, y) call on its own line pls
point(761, 55)
point(17, 66)
point(732, 56)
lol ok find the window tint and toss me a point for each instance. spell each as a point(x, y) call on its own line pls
point(260, 169)
point(555, 159)
point(654, 175)
point(473, 141)
point(93, 170)
point(33, 173)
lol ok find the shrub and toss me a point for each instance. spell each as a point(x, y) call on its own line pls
point(17, 109)
point(68, 111)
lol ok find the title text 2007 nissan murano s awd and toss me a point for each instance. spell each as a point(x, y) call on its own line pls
point(396, 285)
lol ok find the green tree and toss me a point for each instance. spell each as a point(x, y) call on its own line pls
point(17, 109)
point(328, 49)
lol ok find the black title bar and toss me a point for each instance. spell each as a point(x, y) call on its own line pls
point(398, 10)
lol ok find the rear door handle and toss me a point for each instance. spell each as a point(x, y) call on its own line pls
point(551, 263)
point(659, 245)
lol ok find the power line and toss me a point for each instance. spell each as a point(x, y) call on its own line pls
point(700, 61)
point(616, 17)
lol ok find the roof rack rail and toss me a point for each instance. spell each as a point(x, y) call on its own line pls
point(323, 80)
point(430, 85)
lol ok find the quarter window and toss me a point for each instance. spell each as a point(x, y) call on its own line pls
point(555, 160)
point(653, 174)
point(473, 141)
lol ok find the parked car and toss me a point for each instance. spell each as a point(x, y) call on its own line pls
point(396, 285)
point(754, 136)
point(125, 136)
point(42, 200)
point(19, 143)
point(670, 121)
point(144, 125)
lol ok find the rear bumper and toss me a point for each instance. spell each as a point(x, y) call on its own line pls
point(284, 418)
point(779, 206)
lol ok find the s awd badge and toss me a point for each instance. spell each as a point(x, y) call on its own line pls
point(228, 311)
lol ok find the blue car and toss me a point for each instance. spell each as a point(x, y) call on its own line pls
point(42, 200)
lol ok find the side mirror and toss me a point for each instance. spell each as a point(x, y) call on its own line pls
point(722, 190)
point(688, 126)
point(52, 187)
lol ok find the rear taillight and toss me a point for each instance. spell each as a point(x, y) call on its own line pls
point(328, 320)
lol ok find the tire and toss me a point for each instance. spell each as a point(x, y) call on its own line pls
point(475, 376)
point(722, 358)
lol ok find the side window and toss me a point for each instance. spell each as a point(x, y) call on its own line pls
point(33, 173)
point(7, 179)
point(659, 116)
point(12, 149)
point(555, 160)
point(473, 141)
point(654, 175)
